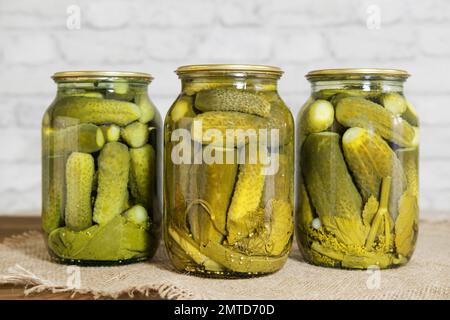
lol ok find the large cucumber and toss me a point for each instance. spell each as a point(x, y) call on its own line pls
point(232, 100)
point(371, 159)
point(79, 177)
point(245, 202)
point(333, 194)
point(113, 171)
point(97, 111)
point(216, 183)
point(360, 112)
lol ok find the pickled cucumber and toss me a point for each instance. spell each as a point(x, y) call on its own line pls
point(113, 171)
point(220, 121)
point(138, 215)
point(142, 174)
point(394, 102)
point(97, 111)
point(325, 171)
point(278, 185)
point(246, 199)
point(370, 159)
point(359, 112)
point(216, 183)
point(281, 225)
point(135, 134)
point(317, 117)
point(117, 240)
point(53, 189)
point(79, 177)
point(193, 251)
point(146, 106)
point(85, 138)
point(409, 158)
point(239, 262)
point(404, 225)
point(232, 100)
point(305, 213)
point(182, 109)
point(111, 132)
point(410, 114)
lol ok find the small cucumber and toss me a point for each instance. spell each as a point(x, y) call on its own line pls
point(113, 172)
point(135, 134)
point(79, 178)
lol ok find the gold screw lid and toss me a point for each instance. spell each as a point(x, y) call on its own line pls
point(80, 75)
point(230, 68)
point(357, 72)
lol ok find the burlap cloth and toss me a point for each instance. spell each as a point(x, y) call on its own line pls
point(24, 260)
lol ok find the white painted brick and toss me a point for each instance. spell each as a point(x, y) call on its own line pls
point(20, 145)
point(309, 12)
point(434, 175)
point(7, 111)
point(107, 14)
point(435, 41)
point(27, 203)
point(27, 80)
point(94, 47)
point(173, 45)
point(300, 47)
point(435, 142)
point(30, 110)
point(19, 177)
point(386, 44)
point(26, 14)
point(241, 13)
point(172, 13)
point(430, 10)
point(243, 45)
point(29, 48)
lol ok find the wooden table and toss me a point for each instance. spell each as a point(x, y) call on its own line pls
point(17, 225)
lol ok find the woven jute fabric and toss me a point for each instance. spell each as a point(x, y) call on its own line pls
point(24, 260)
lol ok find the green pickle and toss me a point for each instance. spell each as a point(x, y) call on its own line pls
point(358, 170)
point(229, 203)
point(99, 170)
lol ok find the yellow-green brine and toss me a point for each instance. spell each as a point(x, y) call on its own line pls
point(357, 175)
point(228, 182)
point(99, 185)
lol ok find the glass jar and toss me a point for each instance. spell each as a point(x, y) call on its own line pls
point(357, 143)
point(228, 186)
point(99, 149)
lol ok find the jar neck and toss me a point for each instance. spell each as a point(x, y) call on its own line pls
point(389, 85)
point(241, 83)
point(119, 86)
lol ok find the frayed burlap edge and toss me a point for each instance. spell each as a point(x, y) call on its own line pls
point(34, 284)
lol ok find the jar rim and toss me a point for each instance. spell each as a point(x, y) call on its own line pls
point(96, 74)
point(358, 72)
point(229, 68)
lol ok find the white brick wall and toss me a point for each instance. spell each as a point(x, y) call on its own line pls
point(159, 35)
